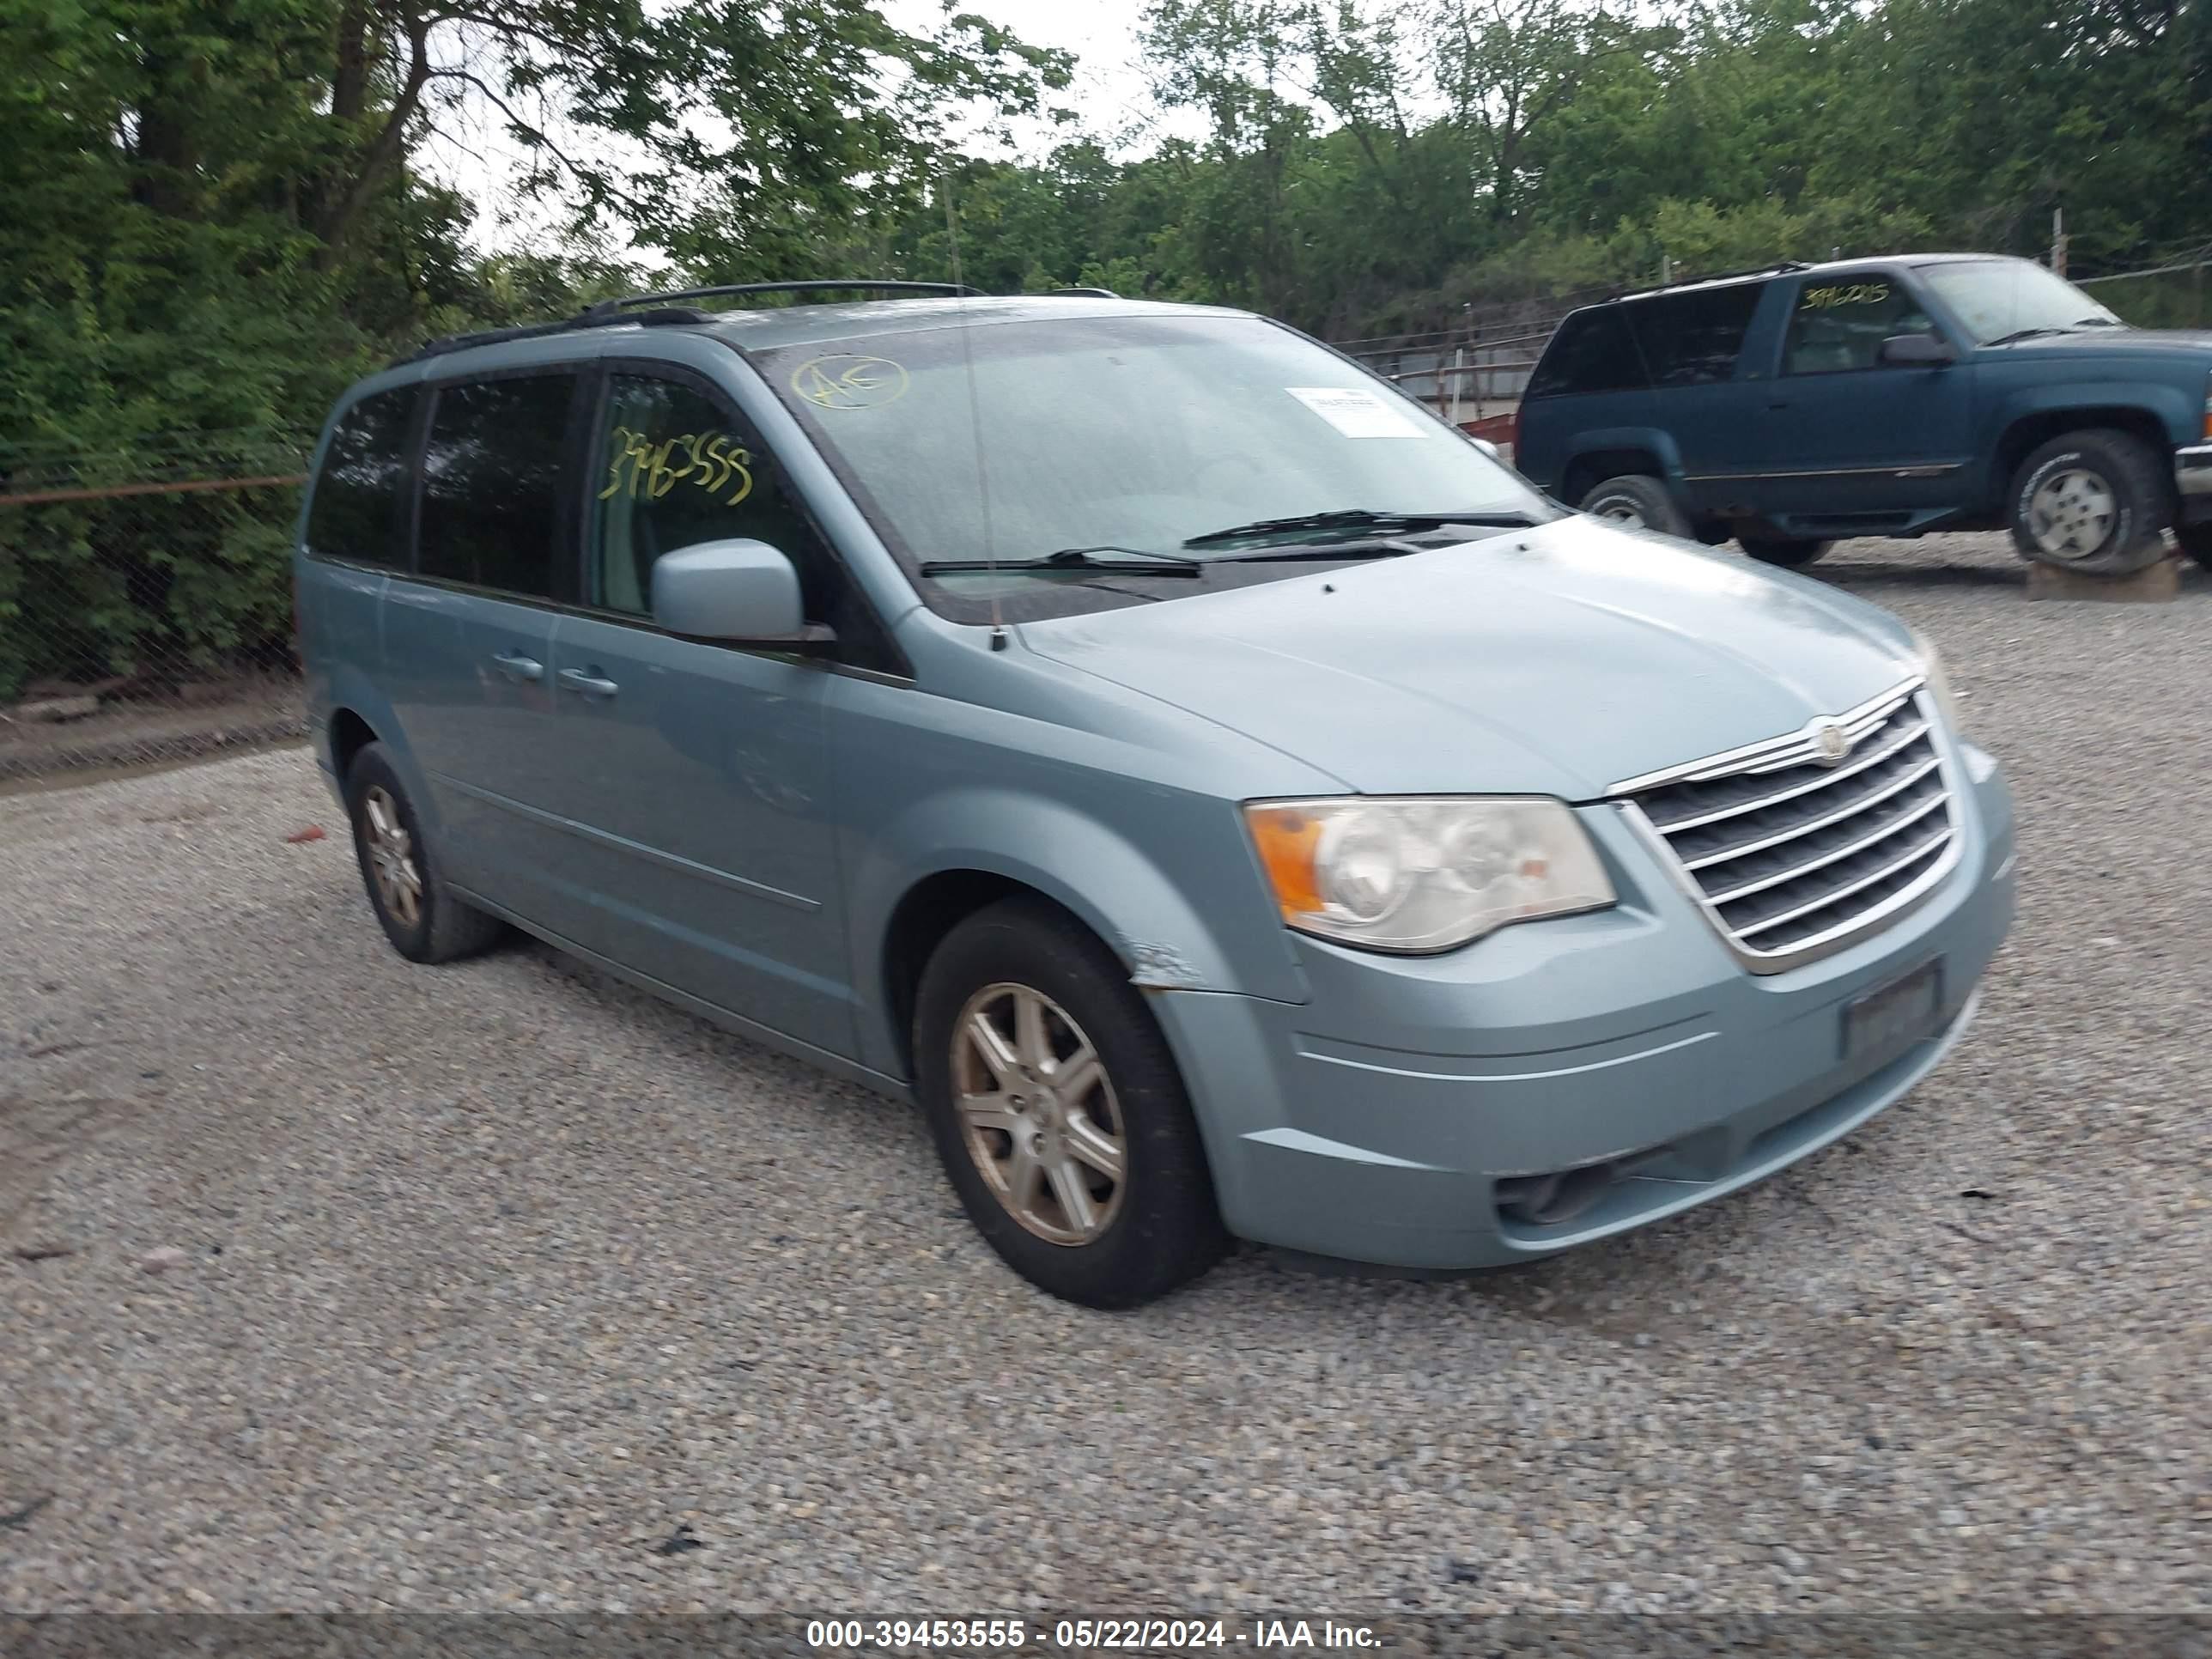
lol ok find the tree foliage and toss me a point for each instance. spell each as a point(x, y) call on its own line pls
point(215, 213)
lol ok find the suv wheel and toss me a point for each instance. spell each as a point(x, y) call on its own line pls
point(1637, 501)
point(2093, 502)
point(1058, 1111)
point(2195, 541)
point(424, 923)
point(1775, 550)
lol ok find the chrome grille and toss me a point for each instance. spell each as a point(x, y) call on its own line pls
point(1793, 856)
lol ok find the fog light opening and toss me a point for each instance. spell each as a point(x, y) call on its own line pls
point(1546, 1200)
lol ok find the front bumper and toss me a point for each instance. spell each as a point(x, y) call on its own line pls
point(2192, 477)
point(1374, 1121)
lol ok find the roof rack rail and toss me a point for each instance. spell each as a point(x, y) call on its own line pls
point(614, 311)
point(1089, 293)
point(610, 308)
point(1780, 267)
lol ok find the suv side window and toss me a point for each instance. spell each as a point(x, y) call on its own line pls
point(354, 513)
point(1692, 340)
point(1840, 322)
point(492, 475)
point(676, 467)
point(1593, 351)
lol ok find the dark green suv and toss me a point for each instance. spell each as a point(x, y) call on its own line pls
point(1794, 405)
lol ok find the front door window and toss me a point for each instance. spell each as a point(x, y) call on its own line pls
point(1840, 322)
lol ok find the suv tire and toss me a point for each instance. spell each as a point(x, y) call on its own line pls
point(2195, 541)
point(423, 921)
point(1637, 501)
point(1057, 999)
point(1775, 550)
point(2093, 502)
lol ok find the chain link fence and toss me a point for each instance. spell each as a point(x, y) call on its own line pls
point(2165, 296)
point(145, 603)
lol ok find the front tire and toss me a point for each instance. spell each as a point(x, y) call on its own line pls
point(1637, 501)
point(1058, 1111)
point(2093, 502)
point(424, 922)
point(1793, 555)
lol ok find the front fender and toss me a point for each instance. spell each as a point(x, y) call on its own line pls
point(2178, 411)
point(1149, 918)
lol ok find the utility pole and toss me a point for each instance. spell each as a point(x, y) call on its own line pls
point(2058, 240)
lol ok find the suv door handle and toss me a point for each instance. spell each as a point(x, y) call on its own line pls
point(575, 679)
point(517, 667)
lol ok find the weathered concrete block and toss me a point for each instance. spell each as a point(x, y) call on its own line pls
point(57, 708)
point(2150, 585)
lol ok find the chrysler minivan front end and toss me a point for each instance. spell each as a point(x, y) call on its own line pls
point(1582, 948)
point(1223, 797)
point(1774, 953)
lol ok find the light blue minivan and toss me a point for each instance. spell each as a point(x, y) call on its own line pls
point(1226, 799)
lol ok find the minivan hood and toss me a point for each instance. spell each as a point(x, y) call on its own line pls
point(1557, 660)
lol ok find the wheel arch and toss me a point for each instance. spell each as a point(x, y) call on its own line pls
point(1599, 455)
point(2028, 429)
point(899, 910)
point(347, 734)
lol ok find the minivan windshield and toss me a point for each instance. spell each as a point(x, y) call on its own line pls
point(1147, 457)
point(1999, 299)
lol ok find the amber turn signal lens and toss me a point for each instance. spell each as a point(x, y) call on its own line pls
point(1288, 838)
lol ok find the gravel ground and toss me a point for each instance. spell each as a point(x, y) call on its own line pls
point(493, 1276)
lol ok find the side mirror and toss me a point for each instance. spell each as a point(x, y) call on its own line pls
point(1489, 449)
point(1916, 351)
point(738, 590)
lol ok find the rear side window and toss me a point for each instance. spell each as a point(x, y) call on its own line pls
point(1692, 340)
point(1593, 351)
point(354, 513)
point(492, 478)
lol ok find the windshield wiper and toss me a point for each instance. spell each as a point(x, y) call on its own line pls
point(2023, 334)
point(1129, 561)
point(1360, 518)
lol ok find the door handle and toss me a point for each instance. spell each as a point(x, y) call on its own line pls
point(575, 679)
point(517, 667)
point(1779, 405)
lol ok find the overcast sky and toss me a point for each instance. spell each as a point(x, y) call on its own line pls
point(1110, 87)
point(1110, 94)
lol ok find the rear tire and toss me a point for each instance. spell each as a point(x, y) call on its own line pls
point(423, 921)
point(1088, 1179)
point(1796, 555)
point(2195, 541)
point(2093, 502)
point(1637, 501)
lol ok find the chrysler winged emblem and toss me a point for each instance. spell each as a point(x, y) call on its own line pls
point(1831, 744)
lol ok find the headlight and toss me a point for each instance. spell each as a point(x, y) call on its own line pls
point(1938, 683)
point(1414, 874)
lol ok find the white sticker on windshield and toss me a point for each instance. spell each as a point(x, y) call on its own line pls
point(1356, 412)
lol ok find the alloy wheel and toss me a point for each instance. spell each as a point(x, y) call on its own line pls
point(392, 856)
point(1037, 1114)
